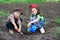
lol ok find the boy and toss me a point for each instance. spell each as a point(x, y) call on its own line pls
point(14, 21)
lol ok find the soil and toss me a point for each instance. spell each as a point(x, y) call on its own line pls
point(50, 10)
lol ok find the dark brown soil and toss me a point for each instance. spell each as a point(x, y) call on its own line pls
point(50, 11)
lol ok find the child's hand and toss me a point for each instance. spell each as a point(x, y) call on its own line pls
point(29, 24)
point(18, 30)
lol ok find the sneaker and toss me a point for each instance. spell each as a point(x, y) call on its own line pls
point(42, 30)
point(11, 31)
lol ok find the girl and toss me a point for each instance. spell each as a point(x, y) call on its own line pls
point(36, 20)
point(14, 22)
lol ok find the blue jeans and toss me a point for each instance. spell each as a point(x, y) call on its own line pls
point(36, 25)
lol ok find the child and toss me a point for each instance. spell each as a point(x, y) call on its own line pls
point(14, 22)
point(36, 20)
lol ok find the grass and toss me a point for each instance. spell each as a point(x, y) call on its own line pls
point(52, 0)
point(26, 1)
point(57, 19)
point(57, 30)
point(3, 16)
point(4, 13)
point(19, 1)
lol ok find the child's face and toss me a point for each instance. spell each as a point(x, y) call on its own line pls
point(17, 14)
point(34, 10)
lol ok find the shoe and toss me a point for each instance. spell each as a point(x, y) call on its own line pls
point(42, 30)
point(11, 32)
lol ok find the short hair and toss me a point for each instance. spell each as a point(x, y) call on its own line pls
point(18, 10)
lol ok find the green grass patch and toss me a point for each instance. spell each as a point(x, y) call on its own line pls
point(36, 1)
point(26, 1)
point(52, 0)
point(4, 13)
point(56, 31)
point(57, 19)
point(3, 16)
point(21, 1)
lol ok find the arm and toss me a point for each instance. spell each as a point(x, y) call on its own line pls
point(19, 27)
point(29, 24)
point(19, 23)
point(11, 17)
point(15, 26)
point(36, 20)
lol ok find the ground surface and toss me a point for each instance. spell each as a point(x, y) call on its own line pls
point(50, 11)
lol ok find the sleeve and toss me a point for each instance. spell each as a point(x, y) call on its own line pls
point(40, 17)
point(11, 18)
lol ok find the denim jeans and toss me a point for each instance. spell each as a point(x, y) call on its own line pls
point(36, 25)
